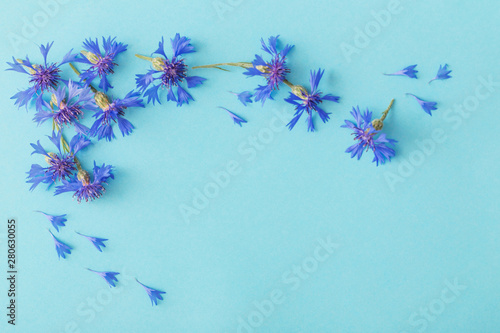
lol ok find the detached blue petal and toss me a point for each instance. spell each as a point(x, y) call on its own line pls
point(153, 294)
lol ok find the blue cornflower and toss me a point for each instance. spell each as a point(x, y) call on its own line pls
point(98, 242)
point(56, 220)
point(427, 106)
point(442, 74)
point(61, 164)
point(61, 248)
point(100, 64)
point(244, 97)
point(83, 188)
point(274, 71)
point(368, 137)
point(171, 73)
point(43, 77)
point(153, 294)
point(237, 120)
point(408, 71)
point(309, 102)
point(109, 277)
point(113, 112)
point(66, 108)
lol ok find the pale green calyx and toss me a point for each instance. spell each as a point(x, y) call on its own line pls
point(90, 56)
point(102, 100)
point(158, 63)
point(262, 68)
point(300, 92)
point(29, 69)
point(83, 176)
point(49, 158)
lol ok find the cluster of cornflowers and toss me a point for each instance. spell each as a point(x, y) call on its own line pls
point(64, 103)
point(274, 70)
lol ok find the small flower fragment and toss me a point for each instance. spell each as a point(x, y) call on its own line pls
point(61, 164)
point(43, 77)
point(442, 74)
point(427, 106)
point(244, 97)
point(98, 242)
point(153, 294)
point(83, 188)
point(56, 220)
point(61, 248)
point(237, 120)
point(101, 65)
point(113, 112)
point(308, 103)
point(109, 277)
point(171, 72)
point(368, 136)
point(408, 71)
point(274, 71)
point(66, 106)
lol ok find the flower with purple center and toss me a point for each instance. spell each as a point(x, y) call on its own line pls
point(237, 119)
point(368, 137)
point(274, 71)
point(98, 242)
point(308, 103)
point(62, 249)
point(113, 112)
point(43, 77)
point(169, 73)
point(101, 65)
point(66, 108)
point(153, 294)
point(244, 97)
point(61, 164)
point(56, 220)
point(83, 187)
point(428, 107)
point(408, 71)
point(442, 74)
point(109, 277)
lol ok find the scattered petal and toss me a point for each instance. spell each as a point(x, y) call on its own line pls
point(442, 74)
point(427, 106)
point(237, 120)
point(153, 294)
point(244, 97)
point(61, 248)
point(98, 242)
point(408, 71)
point(109, 277)
point(56, 220)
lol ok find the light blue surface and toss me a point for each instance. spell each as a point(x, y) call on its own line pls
point(401, 242)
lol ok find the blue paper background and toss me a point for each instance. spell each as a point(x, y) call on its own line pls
point(401, 241)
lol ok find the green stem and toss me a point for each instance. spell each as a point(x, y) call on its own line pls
point(234, 64)
point(140, 56)
point(77, 163)
point(94, 90)
point(288, 83)
point(384, 114)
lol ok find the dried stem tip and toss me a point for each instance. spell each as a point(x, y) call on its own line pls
point(378, 124)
